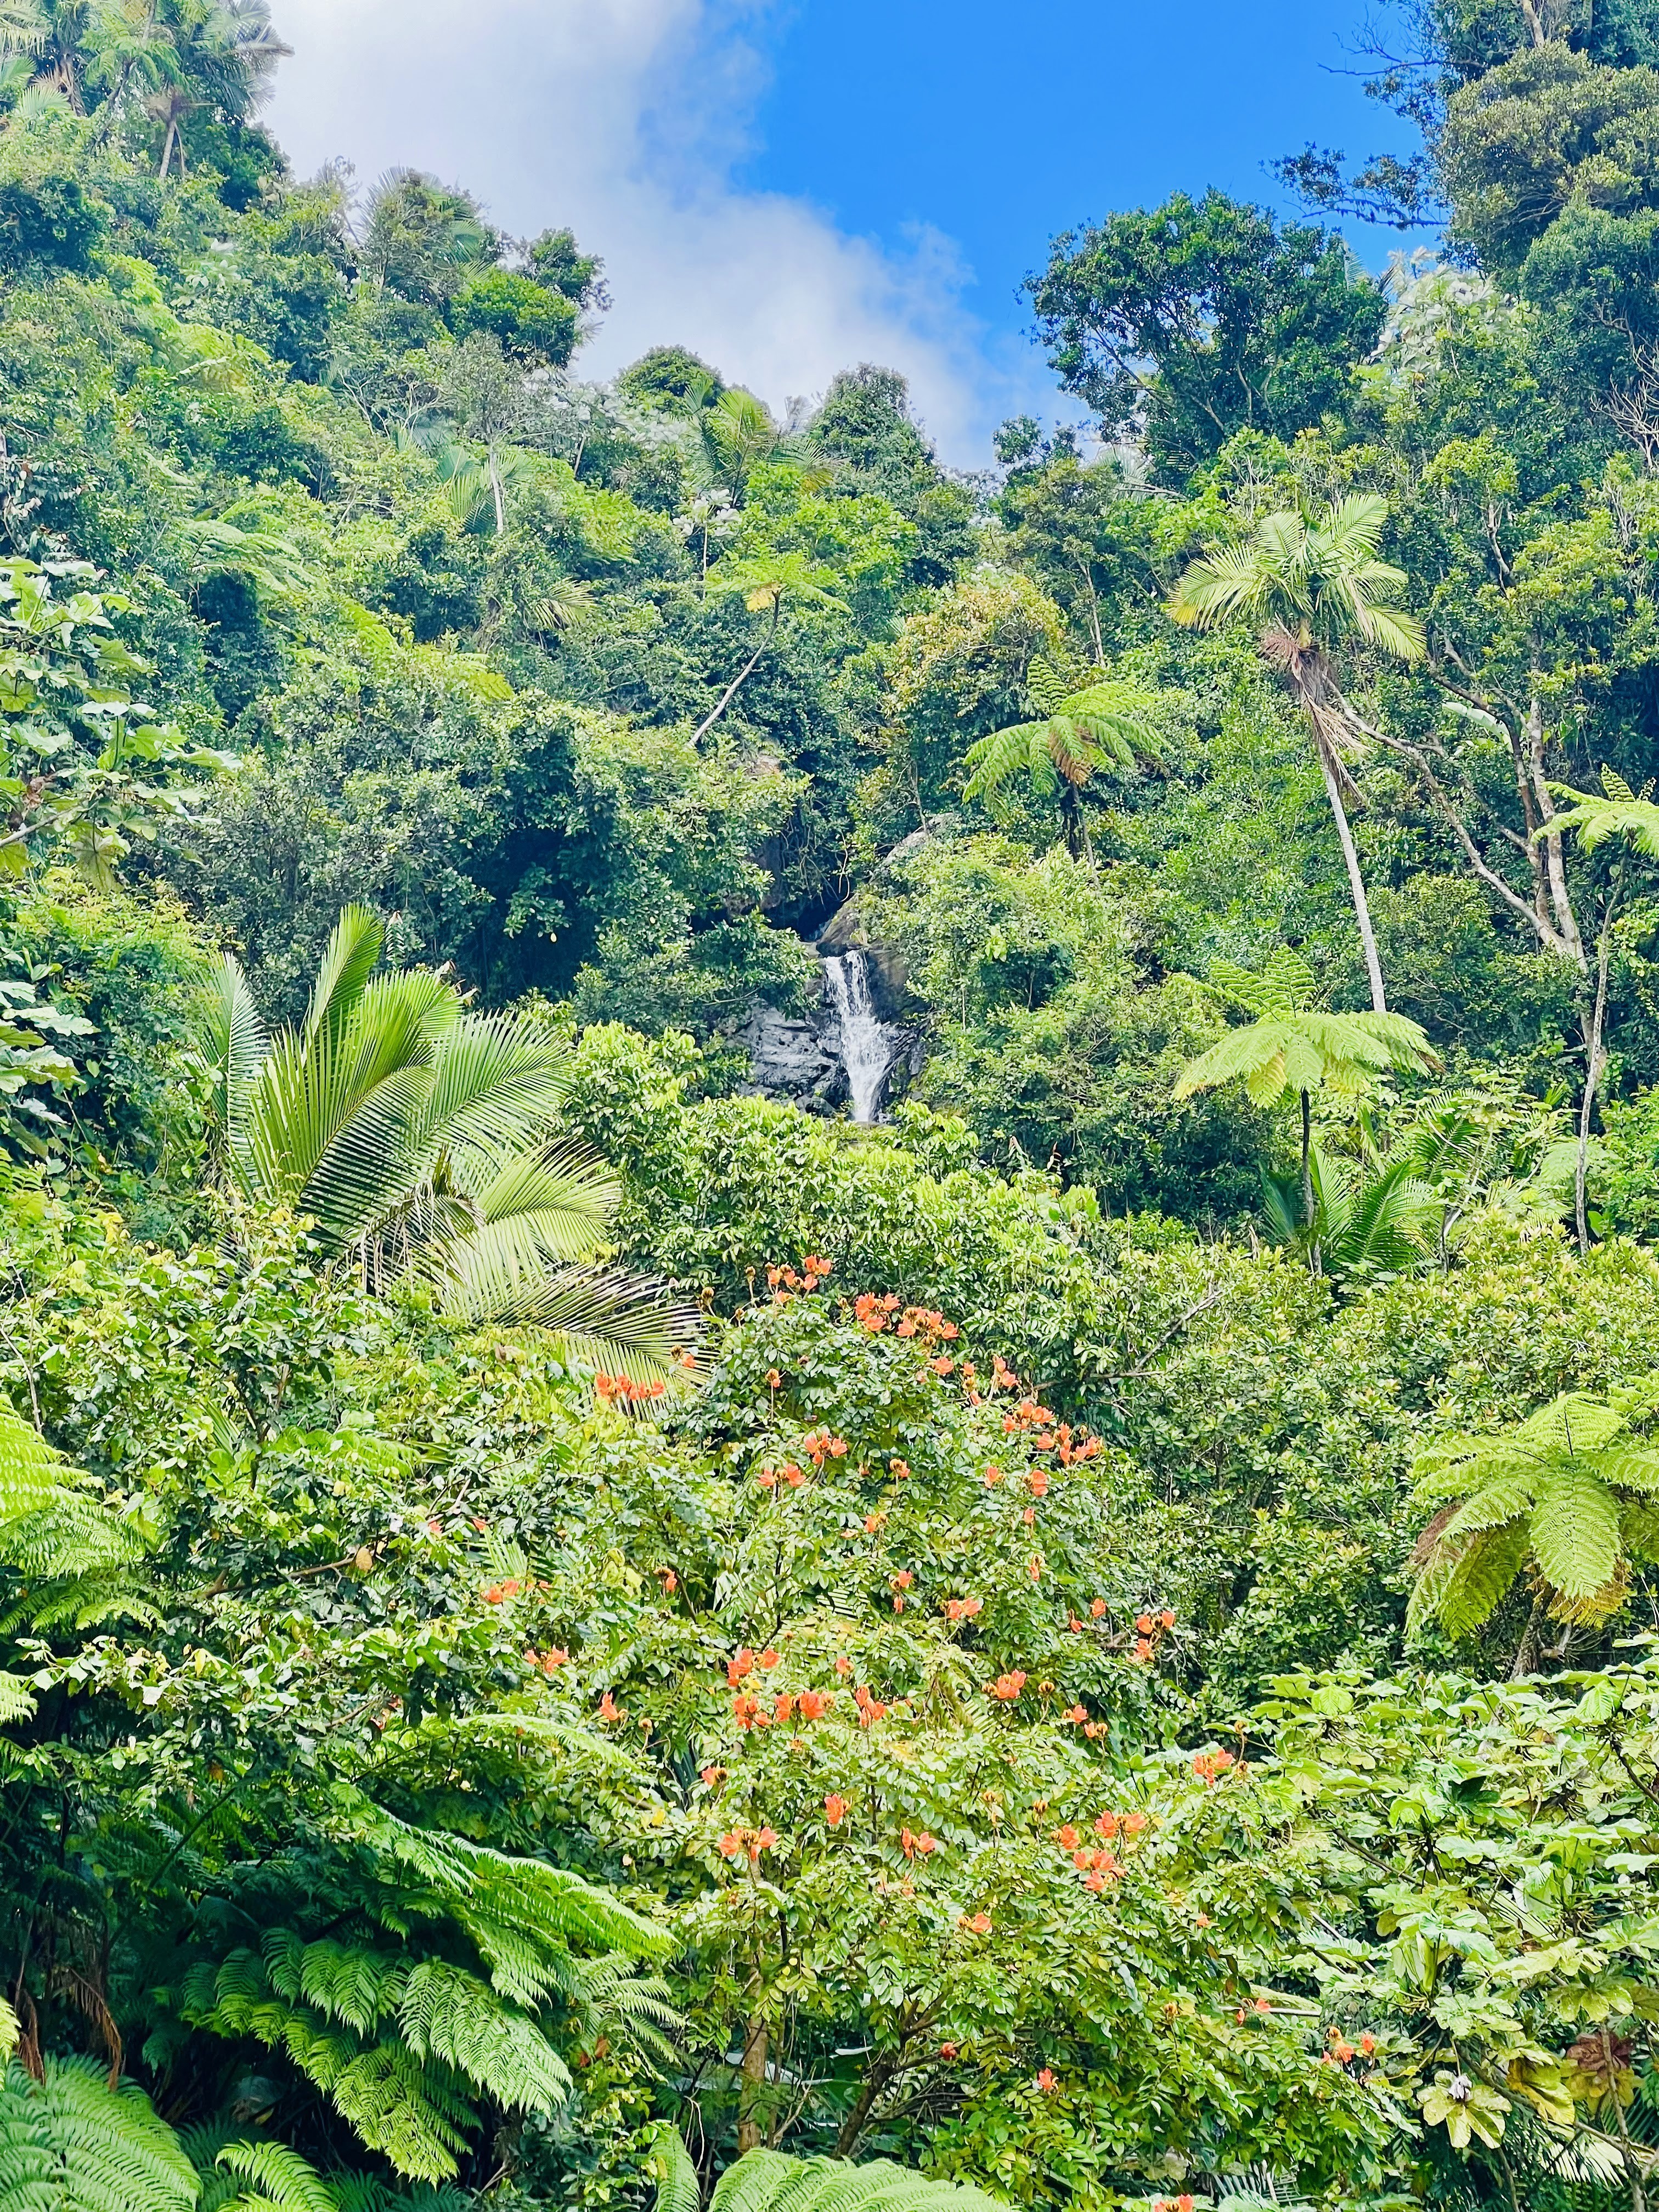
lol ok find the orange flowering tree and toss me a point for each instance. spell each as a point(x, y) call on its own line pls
point(894, 1729)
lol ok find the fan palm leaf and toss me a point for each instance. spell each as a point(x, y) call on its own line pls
point(424, 1139)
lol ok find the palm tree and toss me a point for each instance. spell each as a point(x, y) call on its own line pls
point(1311, 582)
point(1076, 735)
point(47, 36)
point(423, 1140)
point(1571, 1491)
point(1294, 1044)
point(218, 54)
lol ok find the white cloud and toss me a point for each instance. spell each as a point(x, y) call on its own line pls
point(624, 118)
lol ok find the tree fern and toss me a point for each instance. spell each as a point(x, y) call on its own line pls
point(1571, 1489)
point(278, 2179)
point(71, 2144)
point(1076, 735)
point(770, 2181)
point(678, 2189)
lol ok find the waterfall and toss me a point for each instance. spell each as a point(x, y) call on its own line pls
point(867, 1049)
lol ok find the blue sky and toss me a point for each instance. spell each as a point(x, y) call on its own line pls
point(792, 185)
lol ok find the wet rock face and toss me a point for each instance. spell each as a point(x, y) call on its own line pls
point(795, 1060)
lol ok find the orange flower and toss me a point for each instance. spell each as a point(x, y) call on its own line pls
point(1166, 1618)
point(1007, 1687)
point(992, 1476)
point(1075, 1714)
point(979, 1925)
point(1097, 1882)
point(899, 1467)
point(792, 1474)
point(1034, 1566)
point(835, 1809)
point(1143, 1625)
point(773, 1380)
point(731, 1843)
point(1037, 1482)
point(785, 1706)
point(710, 1776)
point(902, 1579)
point(1096, 1606)
point(1066, 1838)
point(1209, 1765)
point(1368, 2044)
point(947, 2050)
point(872, 1522)
point(767, 1478)
point(813, 1705)
point(747, 1712)
point(554, 1659)
point(609, 1708)
point(1106, 1825)
point(1143, 1649)
point(1045, 2079)
point(742, 1664)
point(670, 1580)
point(769, 1658)
point(762, 1840)
point(1029, 1516)
point(843, 1666)
point(1133, 1823)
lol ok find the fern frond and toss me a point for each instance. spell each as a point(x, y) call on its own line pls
point(282, 2177)
point(677, 2187)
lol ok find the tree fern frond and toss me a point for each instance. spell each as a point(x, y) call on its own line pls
point(1575, 1530)
point(450, 2014)
point(1484, 1569)
point(771, 2181)
point(678, 2189)
point(282, 2177)
point(111, 2153)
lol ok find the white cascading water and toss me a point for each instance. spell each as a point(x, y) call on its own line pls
point(866, 1053)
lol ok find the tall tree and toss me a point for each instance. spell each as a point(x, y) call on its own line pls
point(1311, 582)
point(1198, 319)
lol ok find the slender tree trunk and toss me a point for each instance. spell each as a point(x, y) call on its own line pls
point(1592, 1068)
point(1566, 923)
point(1526, 1651)
point(496, 490)
point(1638, 2201)
point(1355, 881)
point(751, 2094)
point(1307, 1165)
point(742, 676)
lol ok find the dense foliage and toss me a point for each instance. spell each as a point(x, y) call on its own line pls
point(574, 1634)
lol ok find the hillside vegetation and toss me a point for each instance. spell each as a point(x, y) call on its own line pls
point(573, 1635)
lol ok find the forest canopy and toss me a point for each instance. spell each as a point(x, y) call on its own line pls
point(582, 1625)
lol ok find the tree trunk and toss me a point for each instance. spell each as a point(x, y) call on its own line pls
point(743, 674)
point(751, 2094)
point(1565, 922)
point(1307, 1168)
point(1355, 881)
point(497, 492)
point(1592, 1068)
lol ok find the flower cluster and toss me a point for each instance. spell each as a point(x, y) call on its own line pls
point(812, 1272)
point(870, 1708)
point(917, 1846)
point(1211, 1765)
point(753, 1841)
point(610, 1389)
point(770, 1477)
point(963, 1608)
point(498, 1593)
point(547, 1662)
point(1007, 1687)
